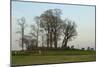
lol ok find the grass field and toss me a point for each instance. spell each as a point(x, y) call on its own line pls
point(55, 57)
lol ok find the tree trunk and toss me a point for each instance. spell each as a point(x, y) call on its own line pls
point(37, 39)
point(42, 41)
point(55, 39)
point(50, 39)
point(22, 38)
point(65, 43)
point(55, 43)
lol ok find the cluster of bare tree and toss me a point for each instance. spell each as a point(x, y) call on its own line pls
point(52, 26)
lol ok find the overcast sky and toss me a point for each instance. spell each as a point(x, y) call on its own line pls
point(84, 17)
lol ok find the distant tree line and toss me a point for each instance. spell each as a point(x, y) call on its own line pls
point(51, 27)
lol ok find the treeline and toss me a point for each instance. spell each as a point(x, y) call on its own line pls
point(51, 27)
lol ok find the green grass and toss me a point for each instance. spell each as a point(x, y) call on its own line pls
point(60, 52)
point(55, 56)
point(70, 52)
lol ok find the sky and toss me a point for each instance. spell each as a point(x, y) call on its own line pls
point(84, 17)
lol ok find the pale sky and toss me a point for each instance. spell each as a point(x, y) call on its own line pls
point(84, 17)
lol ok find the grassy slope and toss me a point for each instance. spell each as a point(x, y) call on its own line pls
point(54, 56)
point(24, 60)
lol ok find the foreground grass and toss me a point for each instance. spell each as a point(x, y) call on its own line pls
point(24, 60)
point(55, 57)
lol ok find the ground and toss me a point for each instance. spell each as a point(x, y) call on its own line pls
point(55, 56)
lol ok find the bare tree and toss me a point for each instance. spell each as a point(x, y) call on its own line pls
point(46, 23)
point(35, 29)
point(50, 20)
point(21, 23)
point(69, 31)
point(29, 42)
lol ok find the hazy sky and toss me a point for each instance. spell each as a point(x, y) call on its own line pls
point(84, 17)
